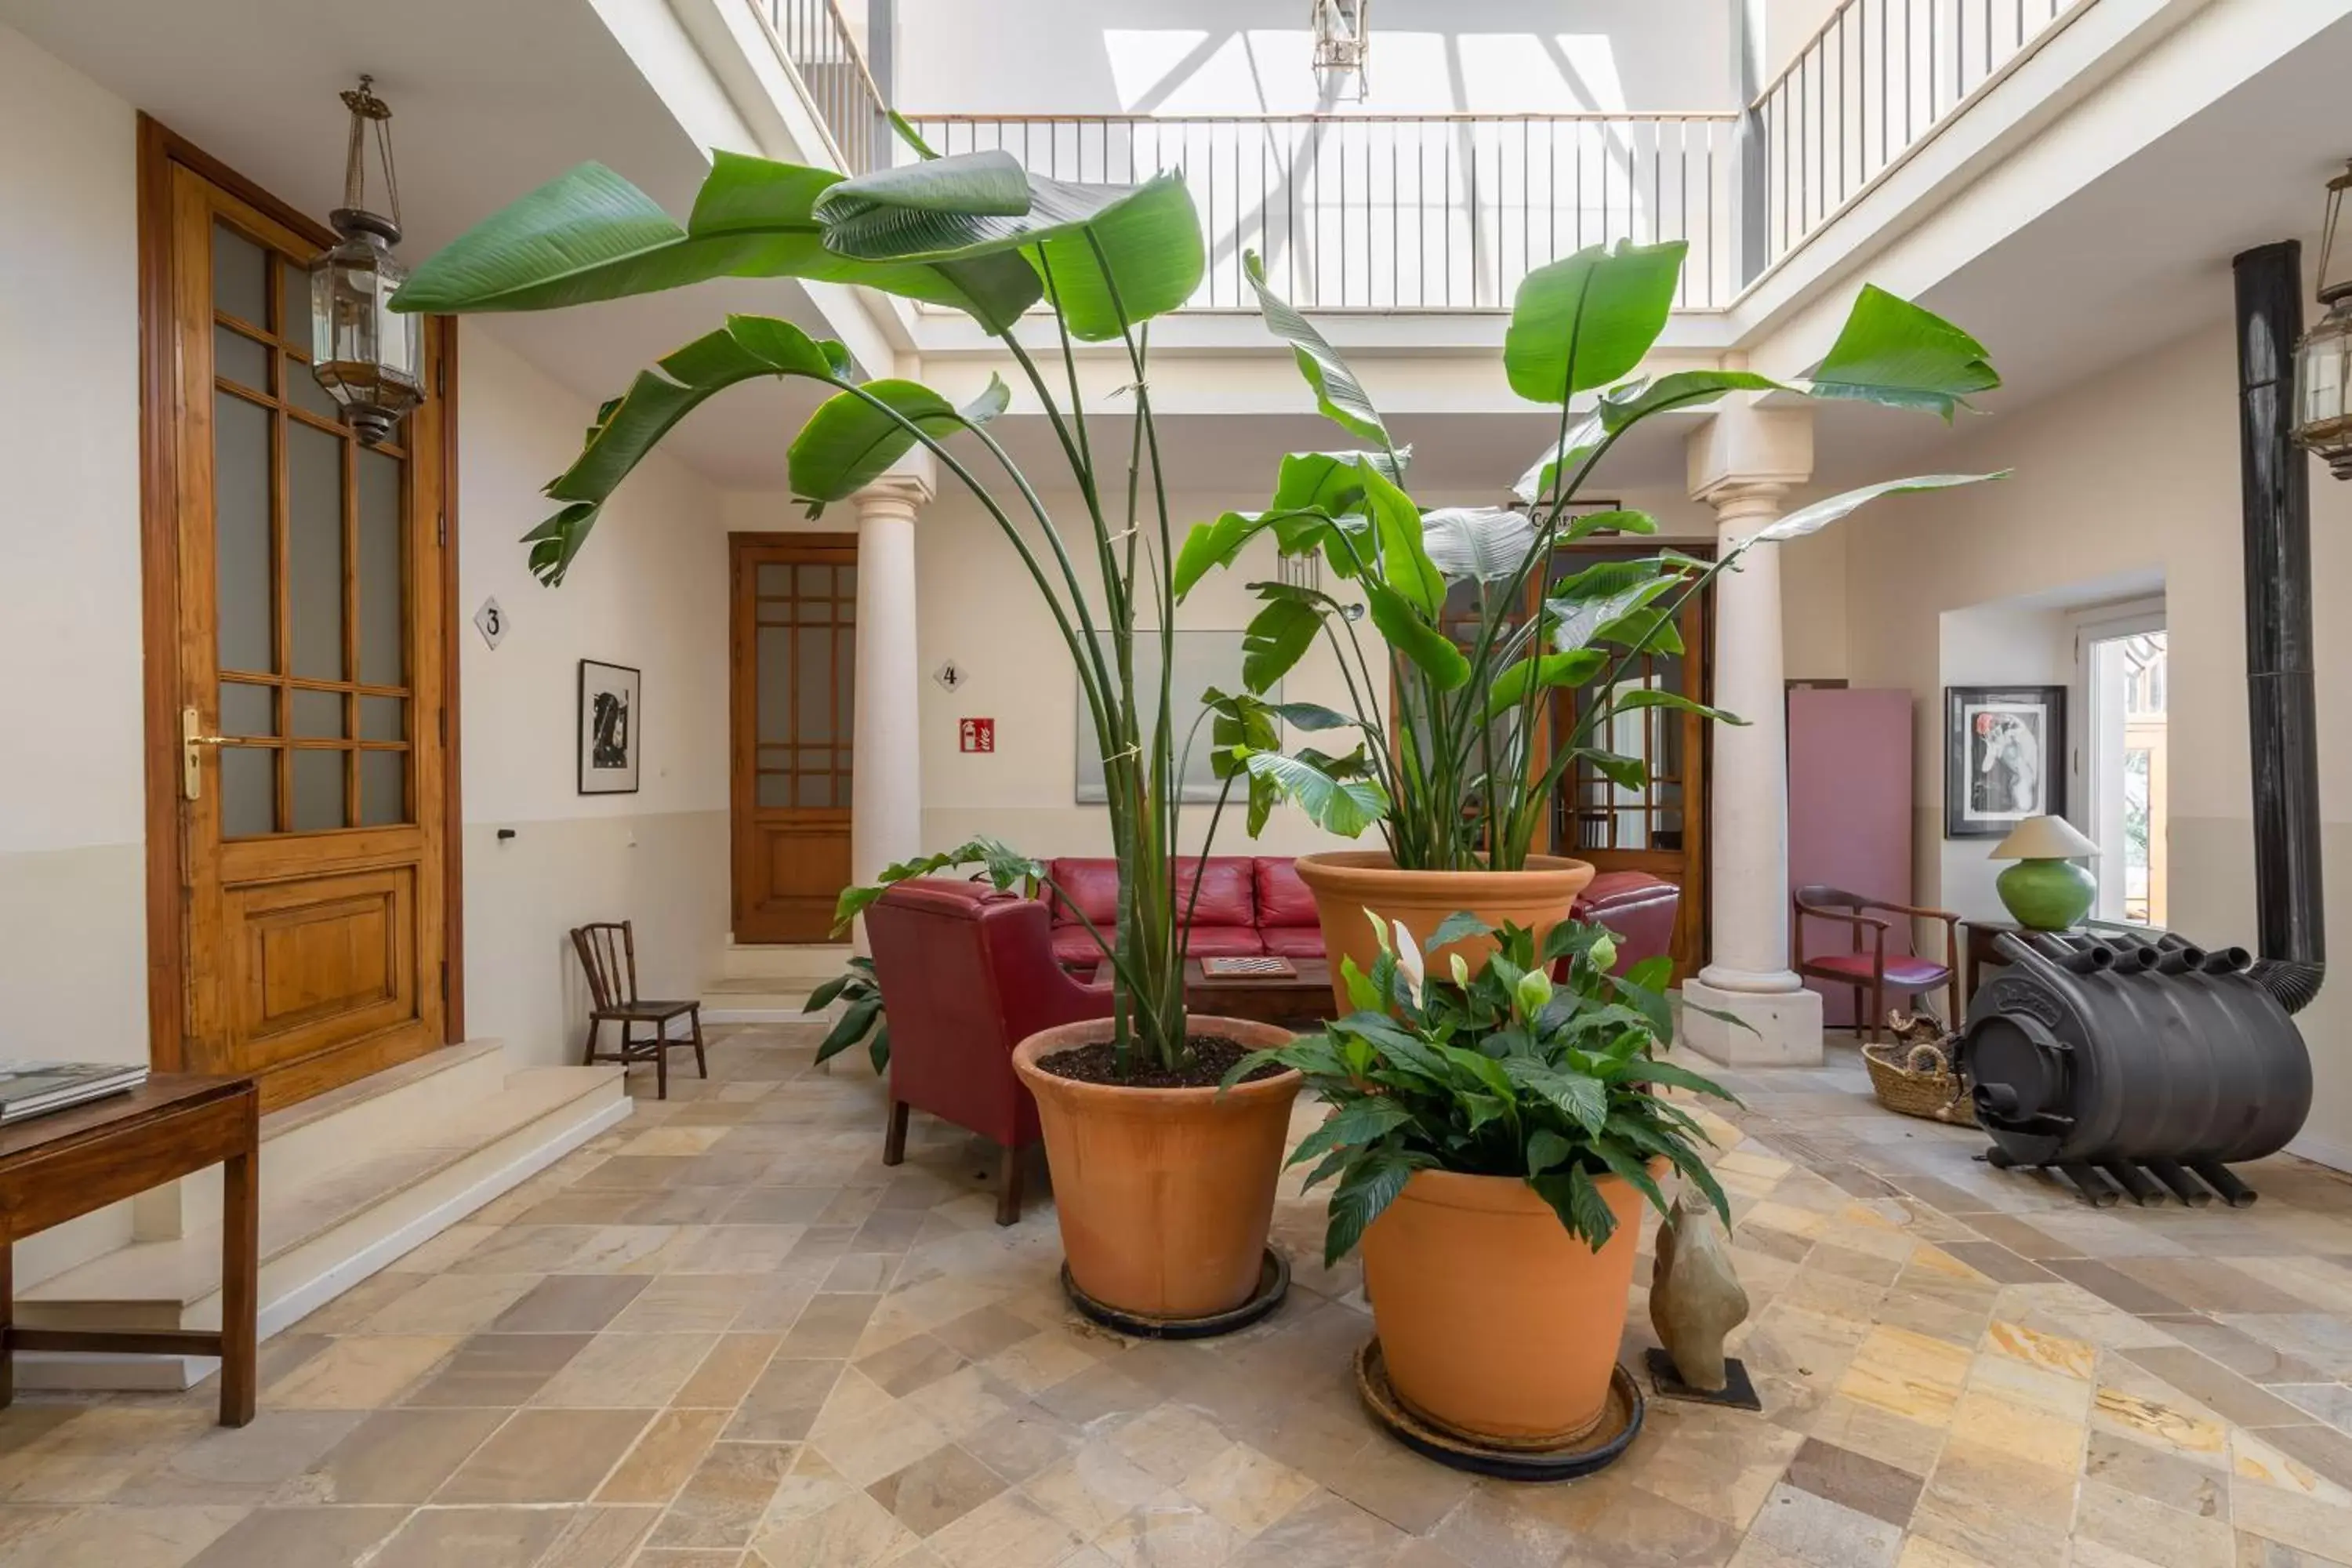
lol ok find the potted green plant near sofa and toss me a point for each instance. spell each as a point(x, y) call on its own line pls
point(1445, 772)
point(1164, 1186)
point(1494, 1135)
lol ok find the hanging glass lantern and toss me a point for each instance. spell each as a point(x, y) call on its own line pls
point(369, 357)
point(2323, 359)
point(1343, 47)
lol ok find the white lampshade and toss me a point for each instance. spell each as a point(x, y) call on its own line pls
point(2044, 838)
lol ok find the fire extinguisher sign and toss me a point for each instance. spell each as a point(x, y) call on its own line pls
point(976, 734)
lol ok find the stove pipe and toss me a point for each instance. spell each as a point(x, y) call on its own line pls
point(2282, 724)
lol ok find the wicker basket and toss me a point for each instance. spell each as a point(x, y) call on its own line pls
point(1915, 1078)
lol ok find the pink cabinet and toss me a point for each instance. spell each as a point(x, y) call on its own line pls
point(1850, 812)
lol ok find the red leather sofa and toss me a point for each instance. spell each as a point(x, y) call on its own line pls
point(966, 975)
point(1248, 905)
point(1253, 904)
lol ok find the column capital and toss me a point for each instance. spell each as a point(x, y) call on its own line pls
point(904, 487)
point(1746, 455)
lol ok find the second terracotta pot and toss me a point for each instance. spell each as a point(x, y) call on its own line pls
point(1164, 1195)
point(1347, 882)
point(1493, 1319)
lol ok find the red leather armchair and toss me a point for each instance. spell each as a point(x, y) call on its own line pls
point(1638, 907)
point(966, 973)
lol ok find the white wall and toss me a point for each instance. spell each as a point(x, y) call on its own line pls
point(649, 590)
point(1243, 57)
point(73, 895)
point(2131, 474)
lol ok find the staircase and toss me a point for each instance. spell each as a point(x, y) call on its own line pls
point(768, 983)
point(349, 1181)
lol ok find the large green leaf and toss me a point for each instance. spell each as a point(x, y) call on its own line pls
point(848, 443)
point(1553, 669)
point(1569, 451)
point(1143, 257)
point(1277, 638)
point(589, 235)
point(1113, 255)
point(1895, 352)
point(1629, 405)
point(1481, 543)
point(1405, 566)
point(1820, 514)
point(631, 425)
point(1330, 480)
point(1587, 320)
point(1342, 806)
point(1371, 1184)
point(1220, 543)
point(1340, 397)
point(1414, 639)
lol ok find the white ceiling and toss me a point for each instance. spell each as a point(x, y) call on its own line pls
point(493, 99)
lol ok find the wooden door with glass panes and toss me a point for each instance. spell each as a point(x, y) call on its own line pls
point(310, 697)
point(1661, 827)
point(792, 666)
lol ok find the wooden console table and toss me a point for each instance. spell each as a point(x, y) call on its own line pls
point(60, 1167)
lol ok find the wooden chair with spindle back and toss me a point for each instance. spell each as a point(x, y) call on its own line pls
point(608, 952)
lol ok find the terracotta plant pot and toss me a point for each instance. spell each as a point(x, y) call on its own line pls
point(1493, 1319)
point(1347, 882)
point(1164, 1195)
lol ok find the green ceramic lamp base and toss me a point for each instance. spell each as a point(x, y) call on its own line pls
point(2047, 894)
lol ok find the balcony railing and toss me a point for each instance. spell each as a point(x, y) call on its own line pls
point(813, 37)
point(1369, 212)
point(1448, 212)
point(1872, 83)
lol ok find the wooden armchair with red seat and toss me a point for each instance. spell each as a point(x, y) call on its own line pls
point(1875, 973)
point(966, 973)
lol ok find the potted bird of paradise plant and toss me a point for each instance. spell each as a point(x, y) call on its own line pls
point(1163, 1185)
point(1448, 772)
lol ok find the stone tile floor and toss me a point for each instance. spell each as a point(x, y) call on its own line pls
point(723, 1335)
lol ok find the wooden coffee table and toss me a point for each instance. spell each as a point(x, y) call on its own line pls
point(1299, 1002)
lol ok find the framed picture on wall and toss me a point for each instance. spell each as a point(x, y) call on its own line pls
point(2004, 757)
point(610, 727)
point(1203, 659)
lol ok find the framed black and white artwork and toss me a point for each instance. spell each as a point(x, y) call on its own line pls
point(612, 728)
point(2004, 757)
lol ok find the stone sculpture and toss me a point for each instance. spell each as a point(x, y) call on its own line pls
point(1695, 1299)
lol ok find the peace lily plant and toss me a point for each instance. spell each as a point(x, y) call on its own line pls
point(1446, 773)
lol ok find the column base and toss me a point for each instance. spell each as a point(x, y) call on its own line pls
point(1783, 1028)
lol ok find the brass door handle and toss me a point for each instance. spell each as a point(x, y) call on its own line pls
point(192, 735)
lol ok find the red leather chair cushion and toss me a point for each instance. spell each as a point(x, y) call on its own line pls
point(1074, 950)
point(1284, 901)
point(1226, 897)
point(1091, 884)
point(1902, 971)
point(1223, 941)
point(1293, 941)
point(1639, 908)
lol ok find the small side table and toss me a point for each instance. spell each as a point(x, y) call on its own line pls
point(60, 1167)
point(1976, 950)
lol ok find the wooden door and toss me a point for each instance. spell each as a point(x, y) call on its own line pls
point(297, 670)
point(1661, 827)
point(792, 661)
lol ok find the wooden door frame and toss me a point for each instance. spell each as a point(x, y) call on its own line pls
point(1697, 822)
point(741, 719)
point(160, 150)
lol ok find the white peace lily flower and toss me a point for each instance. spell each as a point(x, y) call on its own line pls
point(1603, 954)
point(1409, 960)
point(1461, 970)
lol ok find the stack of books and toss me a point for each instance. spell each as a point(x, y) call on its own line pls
point(37, 1089)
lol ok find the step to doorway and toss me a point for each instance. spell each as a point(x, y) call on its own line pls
point(801, 965)
point(347, 1187)
point(755, 1000)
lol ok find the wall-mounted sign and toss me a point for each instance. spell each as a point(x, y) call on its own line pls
point(491, 621)
point(949, 675)
point(976, 734)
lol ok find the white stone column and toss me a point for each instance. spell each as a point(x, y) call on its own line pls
point(1743, 464)
point(886, 796)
